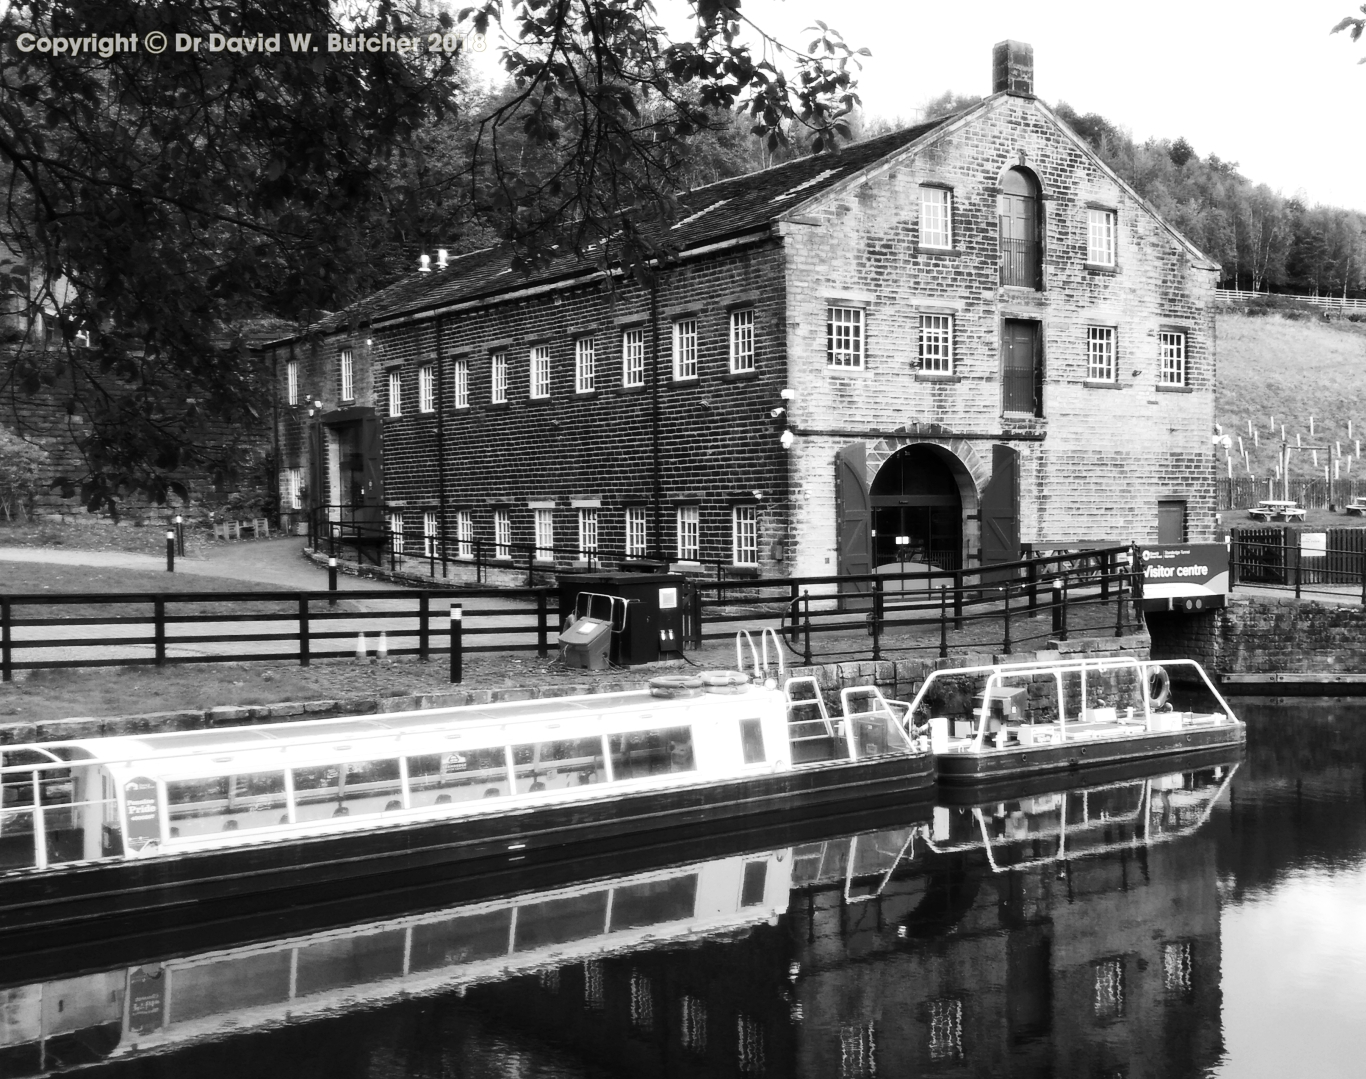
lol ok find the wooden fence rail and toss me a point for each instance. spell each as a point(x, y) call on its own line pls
point(1229, 295)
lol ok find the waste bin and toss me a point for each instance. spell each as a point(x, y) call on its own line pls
point(587, 640)
point(654, 611)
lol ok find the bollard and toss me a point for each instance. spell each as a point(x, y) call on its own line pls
point(360, 647)
point(382, 649)
point(457, 659)
point(1119, 605)
point(180, 535)
point(170, 552)
point(332, 581)
point(1057, 606)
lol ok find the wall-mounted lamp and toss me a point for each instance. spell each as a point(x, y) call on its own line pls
point(424, 263)
point(774, 413)
point(786, 394)
point(758, 495)
point(787, 438)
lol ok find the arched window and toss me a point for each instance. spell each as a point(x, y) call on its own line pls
point(1021, 251)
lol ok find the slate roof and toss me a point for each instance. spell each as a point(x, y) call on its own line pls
point(707, 215)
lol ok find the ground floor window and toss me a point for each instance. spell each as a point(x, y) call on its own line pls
point(745, 535)
point(429, 534)
point(545, 535)
point(296, 488)
point(502, 534)
point(688, 533)
point(588, 532)
point(396, 533)
point(635, 531)
point(464, 533)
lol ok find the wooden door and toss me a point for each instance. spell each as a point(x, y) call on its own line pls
point(853, 515)
point(1171, 521)
point(1021, 381)
point(1000, 508)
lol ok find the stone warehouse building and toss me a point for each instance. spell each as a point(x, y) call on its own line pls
point(933, 346)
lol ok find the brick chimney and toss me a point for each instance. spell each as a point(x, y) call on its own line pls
point(1012, 68)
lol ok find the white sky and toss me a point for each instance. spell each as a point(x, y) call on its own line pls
point(1265, 85)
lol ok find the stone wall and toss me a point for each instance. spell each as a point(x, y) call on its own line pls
point(1266, 635)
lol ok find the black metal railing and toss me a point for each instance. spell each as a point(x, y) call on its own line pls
point(1020, 263)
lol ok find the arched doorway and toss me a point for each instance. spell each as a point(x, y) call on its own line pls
point(917, 509)
point(1020, 248)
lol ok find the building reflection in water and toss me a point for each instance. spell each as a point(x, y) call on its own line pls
point(1068, 933)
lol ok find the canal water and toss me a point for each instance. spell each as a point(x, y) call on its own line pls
point(1205, 920)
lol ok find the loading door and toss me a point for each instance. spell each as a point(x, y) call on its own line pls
point(853, 519)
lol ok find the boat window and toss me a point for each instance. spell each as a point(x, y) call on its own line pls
point(559, 921)
point(558, 765)
point(648, 753)
point(471, 774)
point(344, 962)
point(877, 734)
point(653, 902)
point(16, 839)
point(228, 986)
point(225, 803)
point(752, 887)
point(342, 790)
point(752, 741)
point(455, 941)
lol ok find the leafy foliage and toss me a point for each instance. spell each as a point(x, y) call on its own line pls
point(21, 467)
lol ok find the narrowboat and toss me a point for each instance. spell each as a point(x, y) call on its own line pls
point(150, 831)
point(1011, 721)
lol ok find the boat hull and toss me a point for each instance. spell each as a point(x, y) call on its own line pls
point(98, 901)
point(1020, 762)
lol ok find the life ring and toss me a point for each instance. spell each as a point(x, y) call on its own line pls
point(724, 681)
point(1159, 686)
point(670, 686)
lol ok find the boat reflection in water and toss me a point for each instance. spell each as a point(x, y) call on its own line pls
point(1059, 933)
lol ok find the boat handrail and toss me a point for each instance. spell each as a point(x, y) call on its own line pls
point(740, 656)
point(886, 877)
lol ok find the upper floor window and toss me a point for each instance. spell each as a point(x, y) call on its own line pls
point(460, 384)
point(843, 337)
point(348, 376)
point(1173, 351)
point(426, 387)
point(540, 371)
point(292, 381)
point(633, 357)
point(498, 378)
point(745, 535)
point(685, 348)
point(585, 374)
point(1100, 353)
point(1021, 252)
point(742, 340)
point(1100, 237)
point(936, 217)
point(395, 391)
point(936, 344)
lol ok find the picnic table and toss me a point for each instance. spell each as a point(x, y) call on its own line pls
point(1356, 507)
point(255, 526)
point(1277, 509)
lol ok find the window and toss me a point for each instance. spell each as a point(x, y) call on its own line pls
point(558, 765)
point(1109, 996)
point(426, 387)
point(936, 225)
point(545, 535)
point(1173, 351)
point(429, 535)
point(460, 383)
point(742, 340)
point(687, 533)
point(502, 534)
point(745, 531)
point(296, 488)
point(585, 377)
point(1100, 353)
point(936, 344)
point(642, 1002)
point(464, 534)
point(540, 371)
point(633, 358)
point(464, 776)
point(685, 349)
point(292, 381)
point(644, 754)
point(752, 748)
point(693, 1031)
point(1178, 968)
point(348, 376)
point(395, 390)
point(749, 1047)
point(396, 533)
point(353, 788)
point(498, 378)
point(944, 1017)
point(588, 532)
point(1100, 237)
point(843, 337)
point(635, 531)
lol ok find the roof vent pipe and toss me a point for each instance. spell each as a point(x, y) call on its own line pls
point(442, 257)
point(424, 263)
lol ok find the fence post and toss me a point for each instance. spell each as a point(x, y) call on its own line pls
point(1057, 606)
point(159, 627)
point(1105, 565)
point(1233, 548)
point(1032, 574)
point(457, 644)
point(877, 620)
point(1119, 605)
point(1363, 600)
point(806, 625)
point(332, 581)
point(7, 657)
point(170, 551)
point(1063, 637)
point(180, 535)
point(1299, 562)
point(958, 599)
point(943, 624)
point(424, 626)
point(303, 629)
point(542, 629)
point(1005, 646)
point(792, 607)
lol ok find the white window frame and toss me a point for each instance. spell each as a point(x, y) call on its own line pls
point(741, 340)
point(429, 534)
point(396, 533)
point(588, 533)
point(1171, 346)
point(292, 382)
point(936, 344)
point(539, 372)
point(464, 533)
point(637, 532)
point(688, 529)
point(1102, 236)
point(936, 218)
point(426, 388)
point(685, 349)
point(502, 534)
point(498, 378)
point(585, 365)
point(633, 356)
point(296, 488)
point(395, 393)
point(460, 382)
point(844, 337)
point(744, 530)
point(544, 521)
point(1101, 365)
point(347, 364)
